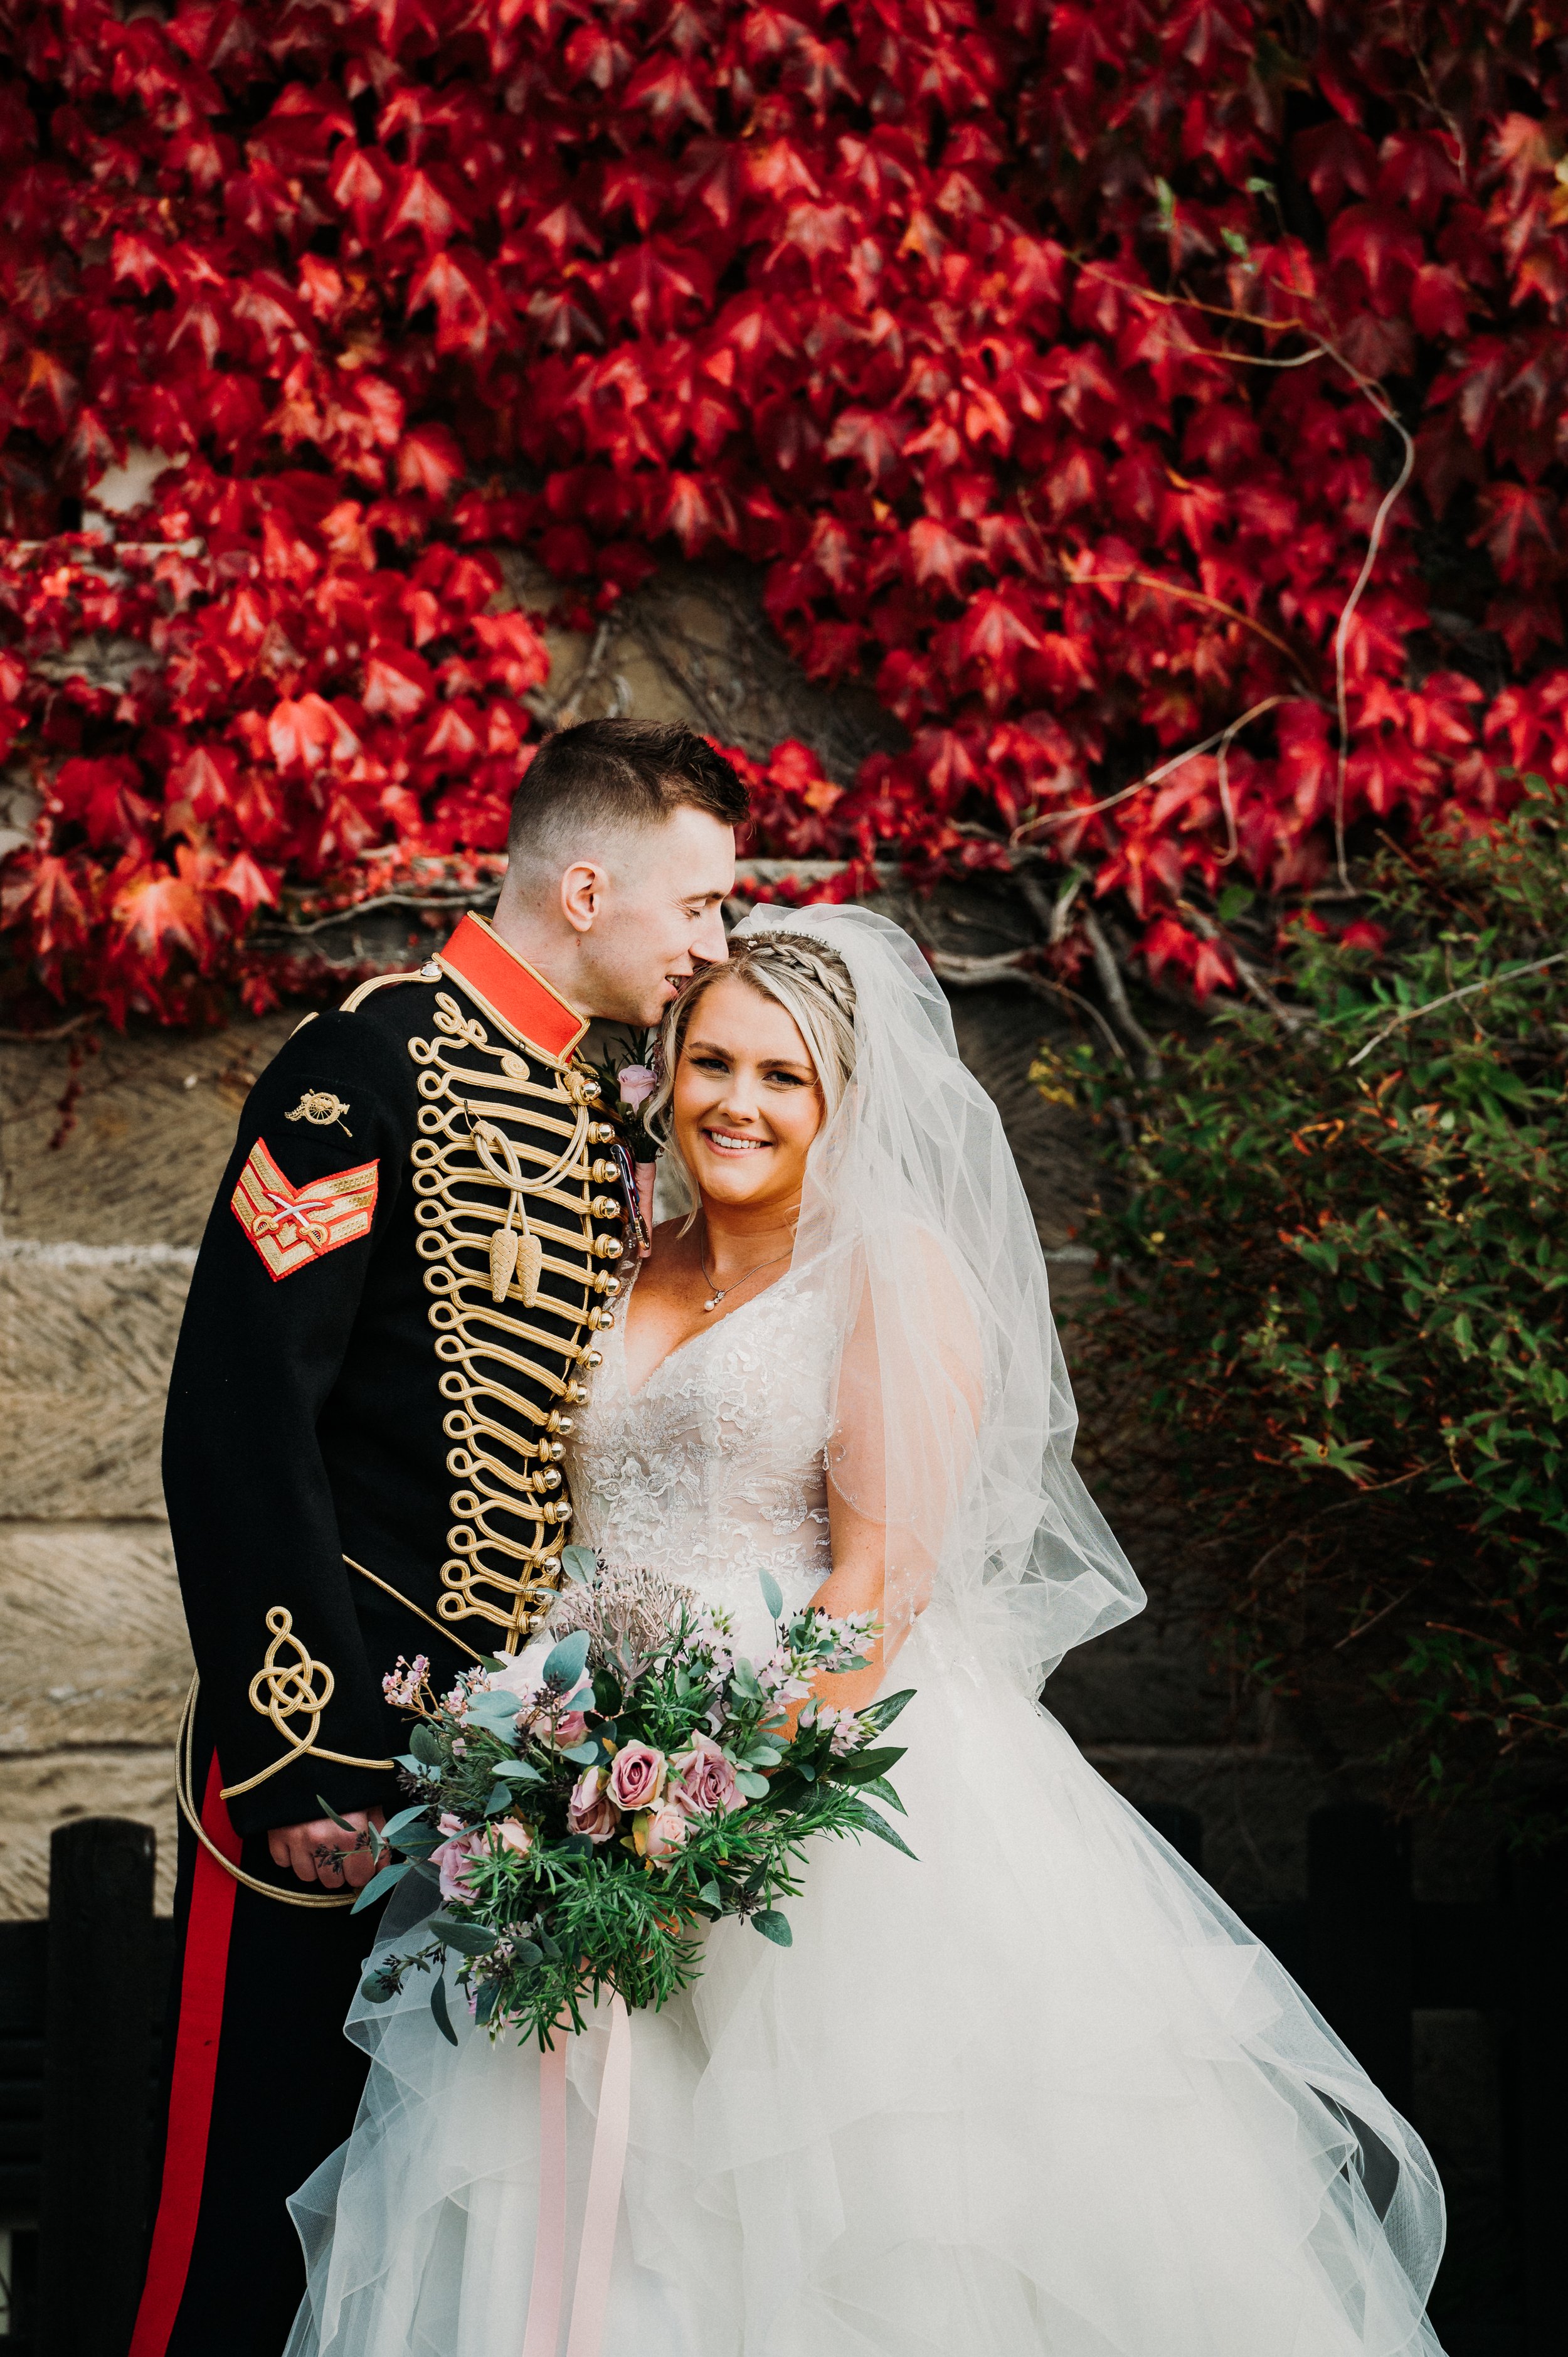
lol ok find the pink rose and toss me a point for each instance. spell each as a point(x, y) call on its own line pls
point(636, 1776)
point(637, 1085)
point(705, 1784)
point(660, 1832)
point(590, 1809)
point(512, 1833)
point(454, 1856)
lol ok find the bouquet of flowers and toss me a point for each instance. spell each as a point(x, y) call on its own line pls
point(591, 1804)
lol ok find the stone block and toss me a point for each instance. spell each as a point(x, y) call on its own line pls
point(127, 1147)
point(93, 1652)
point(86, 1339)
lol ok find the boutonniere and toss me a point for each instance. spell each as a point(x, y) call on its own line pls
point(628, 1076)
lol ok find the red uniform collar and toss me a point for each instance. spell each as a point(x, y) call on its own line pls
point(505, 986)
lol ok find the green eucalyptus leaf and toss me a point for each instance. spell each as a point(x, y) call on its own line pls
point(438, 2008)
point(328, 1810)
point(755, 1787)
point(565, 1662)
point(864, 1766)
point(468, 1939)
point(425, 1745)
point(772, 1595)
point(882, 1714)
point(579, 1562)
point(773, 1926)
point(711, 1896)
point(378, 1988)
point(395, 1826)
point(876, 1824)
point(378, 1885)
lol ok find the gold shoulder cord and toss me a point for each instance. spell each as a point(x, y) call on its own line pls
point(185, 1749)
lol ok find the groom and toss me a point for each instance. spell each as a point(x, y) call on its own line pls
point(391, 1317)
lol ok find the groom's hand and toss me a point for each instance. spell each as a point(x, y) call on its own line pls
point(322, 1851)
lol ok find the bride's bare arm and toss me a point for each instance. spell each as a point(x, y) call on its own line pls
point(909, 1407)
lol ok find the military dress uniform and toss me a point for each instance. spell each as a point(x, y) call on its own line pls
point(392, 1320)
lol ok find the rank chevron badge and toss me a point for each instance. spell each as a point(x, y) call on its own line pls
point(291, 1226)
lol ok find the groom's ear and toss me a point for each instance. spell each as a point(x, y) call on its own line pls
point(582, 894)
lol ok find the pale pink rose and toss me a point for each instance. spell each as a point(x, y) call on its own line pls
point(637, 1085)
point(705, 1784)
point(661, 1832)
point(590, 1809)
point(636, 1776)
point(454, 1856)
point(512, 1833)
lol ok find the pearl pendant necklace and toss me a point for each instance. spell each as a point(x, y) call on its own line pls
point(722, 1293)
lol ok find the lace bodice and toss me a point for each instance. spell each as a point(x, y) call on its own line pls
point(714, 1469)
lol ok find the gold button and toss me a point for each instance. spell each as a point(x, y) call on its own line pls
point(604, 1174)
point(607, 1248)
point(600, 1133)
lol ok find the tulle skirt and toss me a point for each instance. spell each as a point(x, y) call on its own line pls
point(1039, 2091)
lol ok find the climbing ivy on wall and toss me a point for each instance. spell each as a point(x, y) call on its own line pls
point(1161, 401)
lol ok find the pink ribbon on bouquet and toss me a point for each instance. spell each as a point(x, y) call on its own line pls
point(607, 2169)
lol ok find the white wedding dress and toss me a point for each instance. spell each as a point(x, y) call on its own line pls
point(1039, 2092)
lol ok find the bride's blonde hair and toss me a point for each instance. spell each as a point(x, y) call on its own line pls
point(809, 980)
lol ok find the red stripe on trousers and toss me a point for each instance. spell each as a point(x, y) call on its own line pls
point(194, 2078)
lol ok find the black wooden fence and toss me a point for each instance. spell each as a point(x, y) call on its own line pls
point(81, 2000)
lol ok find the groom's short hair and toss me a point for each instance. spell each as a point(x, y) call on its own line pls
point(607, 777)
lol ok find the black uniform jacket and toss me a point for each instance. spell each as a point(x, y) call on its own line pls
point(390, 1324)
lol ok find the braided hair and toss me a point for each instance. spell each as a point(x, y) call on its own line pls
point(812, 984)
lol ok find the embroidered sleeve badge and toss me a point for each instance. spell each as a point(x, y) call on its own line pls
point(291, 1226)
point(321, 1109)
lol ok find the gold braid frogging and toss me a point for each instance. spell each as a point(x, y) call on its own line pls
point(511, 1515)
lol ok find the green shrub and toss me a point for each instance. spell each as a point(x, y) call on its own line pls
point(1336, 1264)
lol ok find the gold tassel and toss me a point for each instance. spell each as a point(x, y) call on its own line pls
point(530, 1263)
point(503, 1258)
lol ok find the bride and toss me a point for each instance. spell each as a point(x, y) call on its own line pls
point(1039, 2091)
